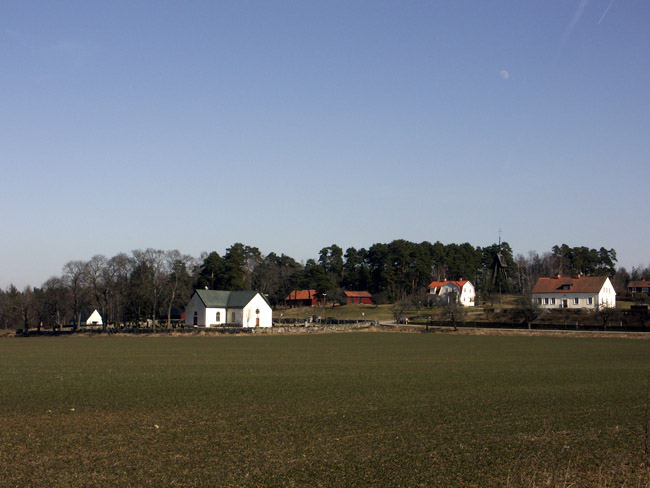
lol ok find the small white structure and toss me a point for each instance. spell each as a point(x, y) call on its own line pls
point(590, 292)
point(464, 290)
point(94, 319)
point(212, 308)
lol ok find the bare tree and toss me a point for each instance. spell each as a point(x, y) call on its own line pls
point(152, 260)
point(56, 301)
point(177, 286)
point(398, 310)
point(75, 276)
point(11, 308)
point(529, 310)
point(28, 310)
point(96, 270)
point(454, 311)
point(523, 274)
point(4, 307)
point(607, 314)
point(531, 268)
point(118, 272)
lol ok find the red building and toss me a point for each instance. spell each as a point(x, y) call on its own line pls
point(303, 298)
point(358, 297)
point(641, 286)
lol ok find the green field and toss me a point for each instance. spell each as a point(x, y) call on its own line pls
point(354, 409)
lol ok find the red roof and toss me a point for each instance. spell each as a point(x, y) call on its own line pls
point(639, 284)
point(460, 283)
point(301, 295)
point(560, 284)
point(439, 284)
point(358, 294)
point(436, 284)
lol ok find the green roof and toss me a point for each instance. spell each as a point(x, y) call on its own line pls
point(225, 299)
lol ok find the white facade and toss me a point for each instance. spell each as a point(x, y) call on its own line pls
point(94, 319)
point(604, 297)
point(196, 313)
point(255, 313)
point(465, 293)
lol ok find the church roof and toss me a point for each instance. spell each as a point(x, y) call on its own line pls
point(226, 299)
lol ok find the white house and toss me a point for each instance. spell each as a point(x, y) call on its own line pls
point(464, 290)
point(211, 308)
point(591, 292)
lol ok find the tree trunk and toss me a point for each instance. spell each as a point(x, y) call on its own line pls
point(169, 306)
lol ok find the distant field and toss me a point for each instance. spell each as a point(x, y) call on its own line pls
point(355, 409)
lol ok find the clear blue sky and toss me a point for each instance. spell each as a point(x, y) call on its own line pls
point(293, 125)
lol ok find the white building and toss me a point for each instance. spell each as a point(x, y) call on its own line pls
point(211, 308)
point(463, 289)
point(590, 292)
point(94, 318)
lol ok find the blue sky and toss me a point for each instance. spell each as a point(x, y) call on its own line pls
point(293, 125)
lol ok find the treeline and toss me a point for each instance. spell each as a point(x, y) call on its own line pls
point(125, 288)
point(153, 284)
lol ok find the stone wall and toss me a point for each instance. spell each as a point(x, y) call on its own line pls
point(310, 328)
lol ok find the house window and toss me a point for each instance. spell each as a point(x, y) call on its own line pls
point(552, 301)
point(545, 301)
point(233, 318)
point(539, 301)
point(218, 317)
point(257, 311)
point(590, 301)
point(576, 301)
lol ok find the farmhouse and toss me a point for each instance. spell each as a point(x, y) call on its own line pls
point(463, 290)
point(358, 297)
point(641, 286)
point(590, 292)
point(211, 308)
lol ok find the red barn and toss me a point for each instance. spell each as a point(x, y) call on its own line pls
point(303, 298)
point(358, 297)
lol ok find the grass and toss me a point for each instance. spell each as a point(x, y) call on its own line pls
point(366, 409)
point(343, 312)
point(382, 313)
point(386, 312)
point(502, 309)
